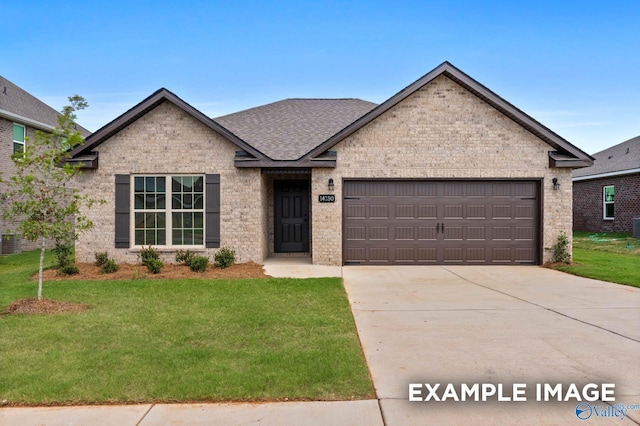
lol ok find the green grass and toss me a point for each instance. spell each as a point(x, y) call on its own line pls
point(606, 257)
point(179, 340)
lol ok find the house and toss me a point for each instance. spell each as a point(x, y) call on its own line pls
point(606, 196)
point(443, 172)
point(21, 114)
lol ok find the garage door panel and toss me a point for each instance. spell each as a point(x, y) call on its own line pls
point(441, 222)
point(427, 211)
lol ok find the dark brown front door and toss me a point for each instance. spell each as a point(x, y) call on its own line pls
point(291, 210)
point(441, 222)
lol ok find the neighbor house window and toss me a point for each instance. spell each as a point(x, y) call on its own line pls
point(607, 197)
point(19, 133)
point(168, 210)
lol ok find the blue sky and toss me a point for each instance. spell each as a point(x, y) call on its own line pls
point(572, 65)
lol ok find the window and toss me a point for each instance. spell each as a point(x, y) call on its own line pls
point(168, 210)
point(607, 200)
point(19, 133)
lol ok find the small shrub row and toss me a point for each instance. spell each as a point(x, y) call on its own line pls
point(225, 257)
point(150, 258)
point(105, 264)
point(195, 262)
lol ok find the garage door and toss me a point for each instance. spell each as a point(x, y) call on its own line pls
point(441, 222)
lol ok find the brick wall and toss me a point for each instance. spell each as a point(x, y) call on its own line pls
point(7, 169)
point(440, 131)
point(588, 208)
point(167, 140)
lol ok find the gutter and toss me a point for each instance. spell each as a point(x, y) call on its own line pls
point(24, 120)
point(608, 174)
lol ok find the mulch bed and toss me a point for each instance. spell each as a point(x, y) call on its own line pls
point(88, 271)
point(44, 306)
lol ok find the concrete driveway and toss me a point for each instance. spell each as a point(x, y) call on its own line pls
point(498, 325)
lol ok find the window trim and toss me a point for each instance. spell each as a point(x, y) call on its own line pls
point(23, 142)
point(168, 210)
point(605, 202)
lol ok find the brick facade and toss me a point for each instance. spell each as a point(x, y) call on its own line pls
point(440, 131)
point(588, 212)
point(7, 169)
point(168, 141)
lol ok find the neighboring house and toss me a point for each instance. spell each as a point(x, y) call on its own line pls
point(444, 172)
point(606, 196)
point(21, 114)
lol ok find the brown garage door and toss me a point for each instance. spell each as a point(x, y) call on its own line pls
point(441, 222)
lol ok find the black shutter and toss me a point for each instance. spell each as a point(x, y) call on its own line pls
point(212, 211)
point(123, 204)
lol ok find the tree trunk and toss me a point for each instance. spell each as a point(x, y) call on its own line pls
point(40, 271)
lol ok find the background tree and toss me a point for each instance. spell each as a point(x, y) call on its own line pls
point(38, 194)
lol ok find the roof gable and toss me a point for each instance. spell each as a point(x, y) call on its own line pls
point(619, 158)
point(567, 155)
point(155, 99)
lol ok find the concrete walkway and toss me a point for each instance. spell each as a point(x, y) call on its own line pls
point(440, 324)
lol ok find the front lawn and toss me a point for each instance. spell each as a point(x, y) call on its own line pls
point(606, 257)
point(179, 340)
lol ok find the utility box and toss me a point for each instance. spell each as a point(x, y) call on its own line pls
point(11, 243)
point(636, 227)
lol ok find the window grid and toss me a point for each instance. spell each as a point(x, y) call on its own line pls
point(19, 134)
point(608, 196)
point(185, 210)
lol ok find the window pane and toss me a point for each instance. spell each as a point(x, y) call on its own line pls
point(177, 202)
point(187, 201)
point(150, 202)
point(609, 210)
point(138, 201)
point(177, 238)
point(162, 237)
point(177, 220)
point(150, 184)
point(139, 220)
point(150, 237)
point(139, 237)
point(176, 185)
point(18, 147)
point(138, 183)
point(198, 236)
point(198, 201)
point(608, 193)
point(198, 184)
point(188, 237)
point(160, 184)
point(18, 133)
point(197, 220)
point(160, 201)
point(150, 220)
point(161, 220)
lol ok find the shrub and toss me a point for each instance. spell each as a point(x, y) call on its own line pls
point(63, 254)
point(561, 249)
point(148, 254)
point(101, 258)
point(199, 263)
point(154, 265)
point(69, 269)
point(225, 257)
point(185, 256)
point(109, 266)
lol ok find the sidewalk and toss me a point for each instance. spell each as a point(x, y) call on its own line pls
point(277, 413)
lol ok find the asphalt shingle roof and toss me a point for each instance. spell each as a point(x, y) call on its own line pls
point(17, 101)
point(288, 129)
point(624, 156)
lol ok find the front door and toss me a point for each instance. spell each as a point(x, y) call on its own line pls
point(291, 205)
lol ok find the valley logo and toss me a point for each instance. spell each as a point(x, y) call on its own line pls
point(585, 411)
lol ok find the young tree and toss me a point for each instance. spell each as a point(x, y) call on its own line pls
point(38, 194)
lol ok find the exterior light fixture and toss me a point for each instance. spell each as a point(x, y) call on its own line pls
point(331, 186)
point(556, 185)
